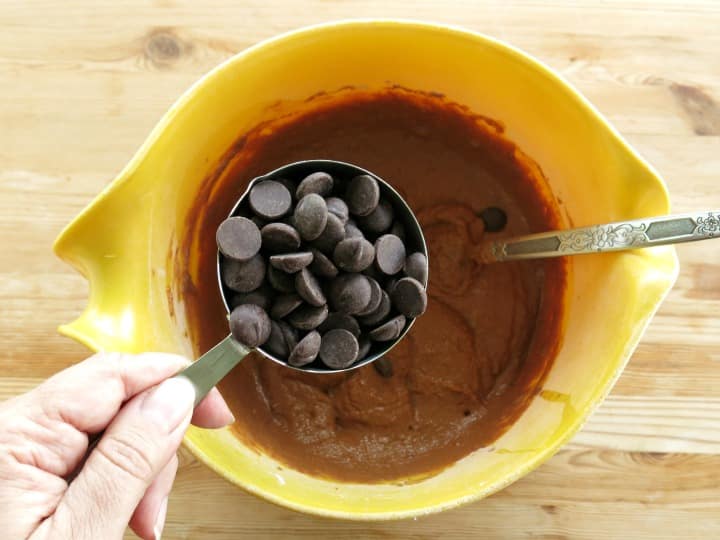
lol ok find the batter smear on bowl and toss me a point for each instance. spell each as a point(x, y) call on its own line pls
point(470, 365)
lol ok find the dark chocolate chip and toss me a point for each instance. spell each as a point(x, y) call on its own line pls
point(291, 262)
point(332, 234)
point(398, 229)
point(340, 320)
point(279, 280)
point(238, 238)
point(390, 284)
point(308, 287)
point(377, 316)
point(375, 298)
point(270, 199)
point(260, 297)
point(290, 333)
point(250, 325)
point(280, 238)
point(317, 182)
point(389, 254)
point(364, 345)
point(353, 254)
point(363, 195)
point(338, 207)
point(352, 231)
point(310, 216)
point(350, 293)
point(284, 305)
point(390, 330)
point(384, 367)
point(321, 266)
point(308, 317)
point(494, 218)
point(379, 220)
point(409, 297)
point(416, 267)
point(243, 276)
point(276, 344)
point(338, 349)
point(289, 184)
point(306, 350)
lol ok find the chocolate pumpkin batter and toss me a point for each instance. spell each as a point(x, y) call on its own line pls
point(470, 365)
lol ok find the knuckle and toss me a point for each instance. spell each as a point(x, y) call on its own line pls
point(109, 364)
point(129, 452)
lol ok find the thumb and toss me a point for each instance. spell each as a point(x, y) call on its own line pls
point(136, 446)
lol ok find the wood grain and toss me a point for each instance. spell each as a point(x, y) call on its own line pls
point(82, 83)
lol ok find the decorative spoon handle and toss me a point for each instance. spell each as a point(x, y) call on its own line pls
point(622, 235)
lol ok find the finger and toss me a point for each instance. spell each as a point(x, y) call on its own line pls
point(148, 519)
point(134, 449)
point(89, 394)
point(212, 412)
point(84, 398)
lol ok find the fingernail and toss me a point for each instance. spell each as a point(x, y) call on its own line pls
point(170, 403)
point(160, 520)
point(225, 412)
point(229, 416)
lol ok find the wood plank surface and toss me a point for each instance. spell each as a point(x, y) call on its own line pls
point(82, 83)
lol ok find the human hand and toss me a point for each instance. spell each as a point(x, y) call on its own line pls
point(127, 477)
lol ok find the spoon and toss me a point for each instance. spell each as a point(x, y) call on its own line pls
point(212, 366)
point(617, 236)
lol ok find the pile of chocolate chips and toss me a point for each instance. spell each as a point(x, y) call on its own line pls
point(319, 270)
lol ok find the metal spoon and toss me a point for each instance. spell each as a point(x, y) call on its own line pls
point(212, 366)
point(617, 236)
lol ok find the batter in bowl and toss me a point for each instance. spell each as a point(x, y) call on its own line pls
point(472, 362)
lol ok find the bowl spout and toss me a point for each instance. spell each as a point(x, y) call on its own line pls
point(111, 243)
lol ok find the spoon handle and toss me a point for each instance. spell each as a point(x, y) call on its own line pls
point(211, 367)
point(619, 236)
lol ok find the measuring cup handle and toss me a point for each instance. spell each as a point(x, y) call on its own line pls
point(211, 367)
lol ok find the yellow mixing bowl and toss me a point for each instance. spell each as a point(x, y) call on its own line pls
point(121, 243)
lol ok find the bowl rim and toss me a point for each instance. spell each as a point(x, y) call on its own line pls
point(599, 393)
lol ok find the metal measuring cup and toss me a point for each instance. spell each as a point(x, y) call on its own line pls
point(211, 367)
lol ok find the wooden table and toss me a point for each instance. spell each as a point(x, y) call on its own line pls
point(81, 85)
